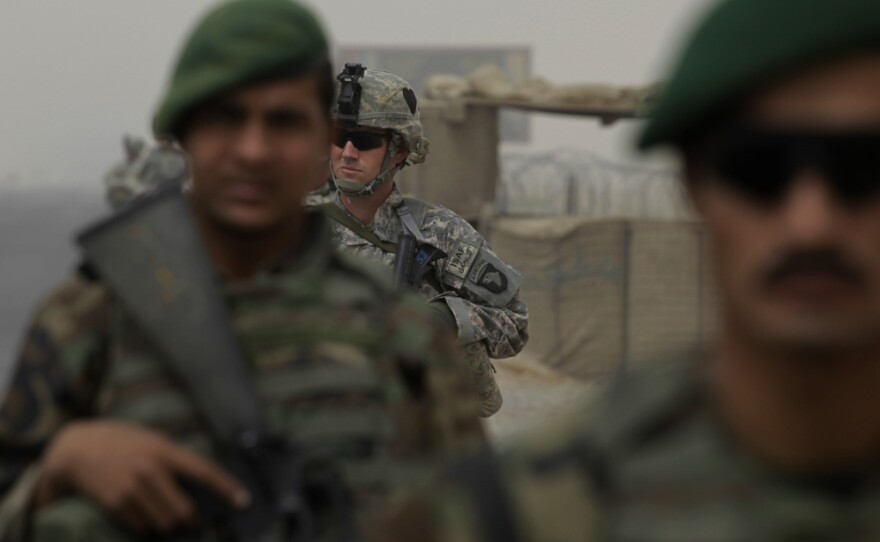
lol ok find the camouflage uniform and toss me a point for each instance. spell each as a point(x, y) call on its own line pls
point(481, 291)
point(143, 170)
point(650, 462)
point(325, 194)
point(326, 346)
point(492, 320)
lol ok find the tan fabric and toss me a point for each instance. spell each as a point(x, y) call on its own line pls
point(446, 87)
point(532, 89)
point(483, 373)
point(489, 81)
point(610, 292)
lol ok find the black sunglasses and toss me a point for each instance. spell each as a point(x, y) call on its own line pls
point(362, 141)
point(761, 163)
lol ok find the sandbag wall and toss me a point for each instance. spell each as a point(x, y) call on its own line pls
point(608, 293)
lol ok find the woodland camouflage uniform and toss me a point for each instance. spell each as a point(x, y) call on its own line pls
point(313, 326)
point(350, 371)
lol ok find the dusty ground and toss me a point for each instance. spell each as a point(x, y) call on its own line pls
point(532, 394)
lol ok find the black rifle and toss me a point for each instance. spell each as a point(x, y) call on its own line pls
point(413, 262)
point(153, 260)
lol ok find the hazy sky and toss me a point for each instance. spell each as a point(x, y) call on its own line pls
point(76, 75)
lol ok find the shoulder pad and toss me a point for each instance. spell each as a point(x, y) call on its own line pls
point(418, 208)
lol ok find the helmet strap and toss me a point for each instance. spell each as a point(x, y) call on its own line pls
point(387, 171)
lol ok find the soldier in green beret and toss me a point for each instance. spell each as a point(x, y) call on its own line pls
point(773, 432)
point(101, 441)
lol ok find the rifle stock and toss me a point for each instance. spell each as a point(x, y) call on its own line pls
point(151, 256)
point(404, 262)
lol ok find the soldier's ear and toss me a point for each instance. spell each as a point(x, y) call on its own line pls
point(400, 155)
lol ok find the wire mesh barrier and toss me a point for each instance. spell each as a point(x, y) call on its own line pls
point(603, 292)
point(570, 182)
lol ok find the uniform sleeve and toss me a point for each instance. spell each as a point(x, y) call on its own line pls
point(504, 331)
point(483, 295)
point(54, 379)
point(442, 418)
point(483, 374)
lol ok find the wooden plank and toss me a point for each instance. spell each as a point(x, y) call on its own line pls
point(606, 113)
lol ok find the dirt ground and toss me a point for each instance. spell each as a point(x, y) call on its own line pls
point(532, 394)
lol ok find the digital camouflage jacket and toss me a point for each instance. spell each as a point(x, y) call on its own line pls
point(480, 289)
point(326, 339)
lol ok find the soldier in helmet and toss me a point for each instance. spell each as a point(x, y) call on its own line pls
point(143, 170)
point(774, 432)
point(469, 288)
point(103, 439)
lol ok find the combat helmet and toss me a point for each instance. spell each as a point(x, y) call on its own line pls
point(379, 99)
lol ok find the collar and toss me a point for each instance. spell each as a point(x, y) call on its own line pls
point(386, 215)
point(385, 221)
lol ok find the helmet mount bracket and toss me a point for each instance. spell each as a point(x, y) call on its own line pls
point(349, 102)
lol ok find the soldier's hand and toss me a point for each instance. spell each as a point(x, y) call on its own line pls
point(131, 472)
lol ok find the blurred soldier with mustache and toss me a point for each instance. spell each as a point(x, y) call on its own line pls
point(773, 433)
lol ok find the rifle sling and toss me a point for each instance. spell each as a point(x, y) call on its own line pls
point(409, 223)
point(153, 259)
point(333, 211)
point(191, 327)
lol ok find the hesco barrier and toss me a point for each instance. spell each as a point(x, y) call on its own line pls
point(461, 170)
point(578, 182)
point(608, 293)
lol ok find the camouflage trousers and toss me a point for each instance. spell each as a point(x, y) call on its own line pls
point(77, 519)
point(483, 372)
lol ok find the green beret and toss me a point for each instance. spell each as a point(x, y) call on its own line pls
point(743, 45)
point(240, 42)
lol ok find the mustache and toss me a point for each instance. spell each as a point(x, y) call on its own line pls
point(828, 261)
